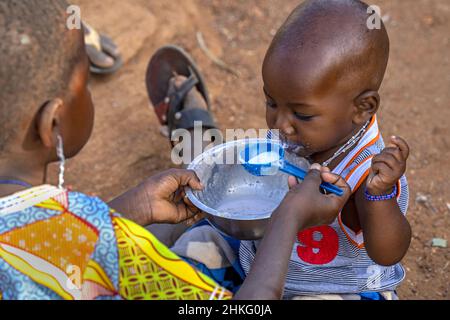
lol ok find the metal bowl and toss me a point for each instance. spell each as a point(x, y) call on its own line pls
point(236, 202)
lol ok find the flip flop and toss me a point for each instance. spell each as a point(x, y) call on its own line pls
point(98, 42)
point(166, 62)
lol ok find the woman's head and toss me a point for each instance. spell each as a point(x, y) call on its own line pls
point(43, 76)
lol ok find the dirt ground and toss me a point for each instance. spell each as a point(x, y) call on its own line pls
point(126, 146)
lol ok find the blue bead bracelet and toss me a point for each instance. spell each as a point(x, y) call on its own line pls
point(382, 197)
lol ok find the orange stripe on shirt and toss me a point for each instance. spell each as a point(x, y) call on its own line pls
point(360, 181)
point(356, 244)
point(370, 143)
point(356, 167)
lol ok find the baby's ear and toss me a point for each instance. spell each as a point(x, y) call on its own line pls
point(366, 105)
point(48, 122)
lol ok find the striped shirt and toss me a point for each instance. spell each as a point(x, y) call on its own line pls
point(332, 258)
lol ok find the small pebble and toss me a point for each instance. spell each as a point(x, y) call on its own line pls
point(438, 242)
point(421, 198)
point(24, 39)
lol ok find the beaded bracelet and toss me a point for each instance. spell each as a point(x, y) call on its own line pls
point(382, 197)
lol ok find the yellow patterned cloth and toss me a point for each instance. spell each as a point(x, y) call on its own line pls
point(56, 244)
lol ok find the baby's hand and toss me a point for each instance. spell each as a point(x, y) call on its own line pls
point(388, 167)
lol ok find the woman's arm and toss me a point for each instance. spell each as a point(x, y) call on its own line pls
point(160, 199)
point(267, 275)
point(268, 272)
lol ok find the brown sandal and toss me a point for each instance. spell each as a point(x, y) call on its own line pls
point(166, 62)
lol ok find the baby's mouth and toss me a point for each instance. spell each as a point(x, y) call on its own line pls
point(296, 148)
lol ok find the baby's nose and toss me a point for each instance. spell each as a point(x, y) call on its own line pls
point(284, 126)
point(288, 131)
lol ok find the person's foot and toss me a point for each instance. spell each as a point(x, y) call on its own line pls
point(193, 99)
point(99, 58)
point(103, 53)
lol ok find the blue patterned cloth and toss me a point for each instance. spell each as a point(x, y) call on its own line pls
point(213, 253)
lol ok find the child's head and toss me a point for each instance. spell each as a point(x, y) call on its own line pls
point(43, 81)
point(322, 73)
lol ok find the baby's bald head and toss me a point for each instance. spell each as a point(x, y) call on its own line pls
point(322, 74)
point(328, 42)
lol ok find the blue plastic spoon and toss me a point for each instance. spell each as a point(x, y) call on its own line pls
point(267, 158)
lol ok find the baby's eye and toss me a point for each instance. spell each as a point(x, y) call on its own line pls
point(302, 116)
point(271, 104)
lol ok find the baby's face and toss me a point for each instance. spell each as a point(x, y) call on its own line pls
point(306, 104)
